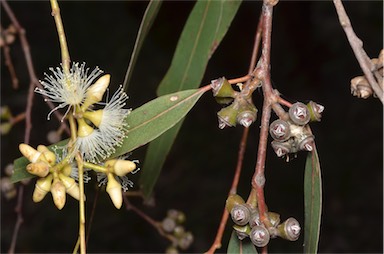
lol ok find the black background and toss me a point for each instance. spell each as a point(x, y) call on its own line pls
point(311, 60)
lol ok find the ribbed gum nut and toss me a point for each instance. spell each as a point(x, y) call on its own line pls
point(242, 231)
point(299, 113)
point(246, 118)
point(31, 153)
point(168, 224)
point(274, 218)
point(289, 229)
point(84, 130)
point(233, 200)
point(280, 130)
point(227, 116)
point(39, 168)
point(240, 214)
point(58, 193)
point(315, 111)
point(306, 143)
point(71, 186)
point(114, 191)
point(48, 154)
point(94, 116)
point(222, 88)
point(255, 219)
point(123, 167)
point(178, 231)
point(360, 87)
point(42, 187)
point(96, 91)
point(259, 236)
point(281, 148)
point(185, 240)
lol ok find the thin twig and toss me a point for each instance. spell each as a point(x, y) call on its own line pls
point(258, 179)
point(357, 47)
point(152, 222)
point(243, 144)
point(28, 58)
point(9, 64)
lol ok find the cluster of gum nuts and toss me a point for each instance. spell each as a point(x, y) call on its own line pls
point(173, 224)
point(292, 135)
point(248, 224)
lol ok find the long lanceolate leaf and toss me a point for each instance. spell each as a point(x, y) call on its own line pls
point(146, 24)
point(145, 124)
point(312, 202)
point(203, 32)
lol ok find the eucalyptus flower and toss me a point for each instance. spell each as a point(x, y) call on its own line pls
point(67, 90)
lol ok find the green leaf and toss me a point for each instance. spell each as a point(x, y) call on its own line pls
point(155, 117)
point(236, 246)
point(312, 202)
point(145, 124)
point(202, 33)
point(146, 24)
point(19, 172)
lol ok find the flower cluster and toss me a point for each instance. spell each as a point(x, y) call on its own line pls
point(53, 177)
point(98, 131)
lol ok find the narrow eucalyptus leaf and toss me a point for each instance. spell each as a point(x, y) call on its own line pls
point(205, 28)
point(312, 202)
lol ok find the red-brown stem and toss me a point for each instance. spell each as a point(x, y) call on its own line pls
point(357, 47)
point(28, 59)
point(243, 144)
point(219, 235)
point(155, 224)
point(20, 117)
point(258, 179)
point(11, 68)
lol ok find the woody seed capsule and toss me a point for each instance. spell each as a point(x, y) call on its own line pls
point(289, 229)
point(240, 214)
point(259, 236)
point(299, 113)
point(279, 130)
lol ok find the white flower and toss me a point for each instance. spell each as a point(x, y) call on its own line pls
point(111, 124)
point(67, 90)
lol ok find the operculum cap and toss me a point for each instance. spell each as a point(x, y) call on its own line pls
point(42, 187)
point(48, 154)
point(96, 91)
point(31, 153)
point(39, 168)
point(114, 191)
point(58, 193)
point(123, 167)
point(71, 186)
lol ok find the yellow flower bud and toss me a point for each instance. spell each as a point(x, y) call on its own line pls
point(94, 116)
point(67, 170)
point(42, 187)
point(39, 168)
point(30, 153)
point(96, 91)
point(58, 193)
point(123, 167)
point(114, 191)
point(71, 186)
point(84, 130)
point(48, 154)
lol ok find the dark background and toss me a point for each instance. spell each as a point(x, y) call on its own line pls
point(311, 60)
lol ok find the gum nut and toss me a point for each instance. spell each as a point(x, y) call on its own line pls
point(233, 200)
point(289, 229)
point(123, 167)
point(39, 168)
point(48, 154)
point(114, 191)
point(42, 187)
point(259, 236)
point(71, 186)
point(58, 193)
point(30, 153)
